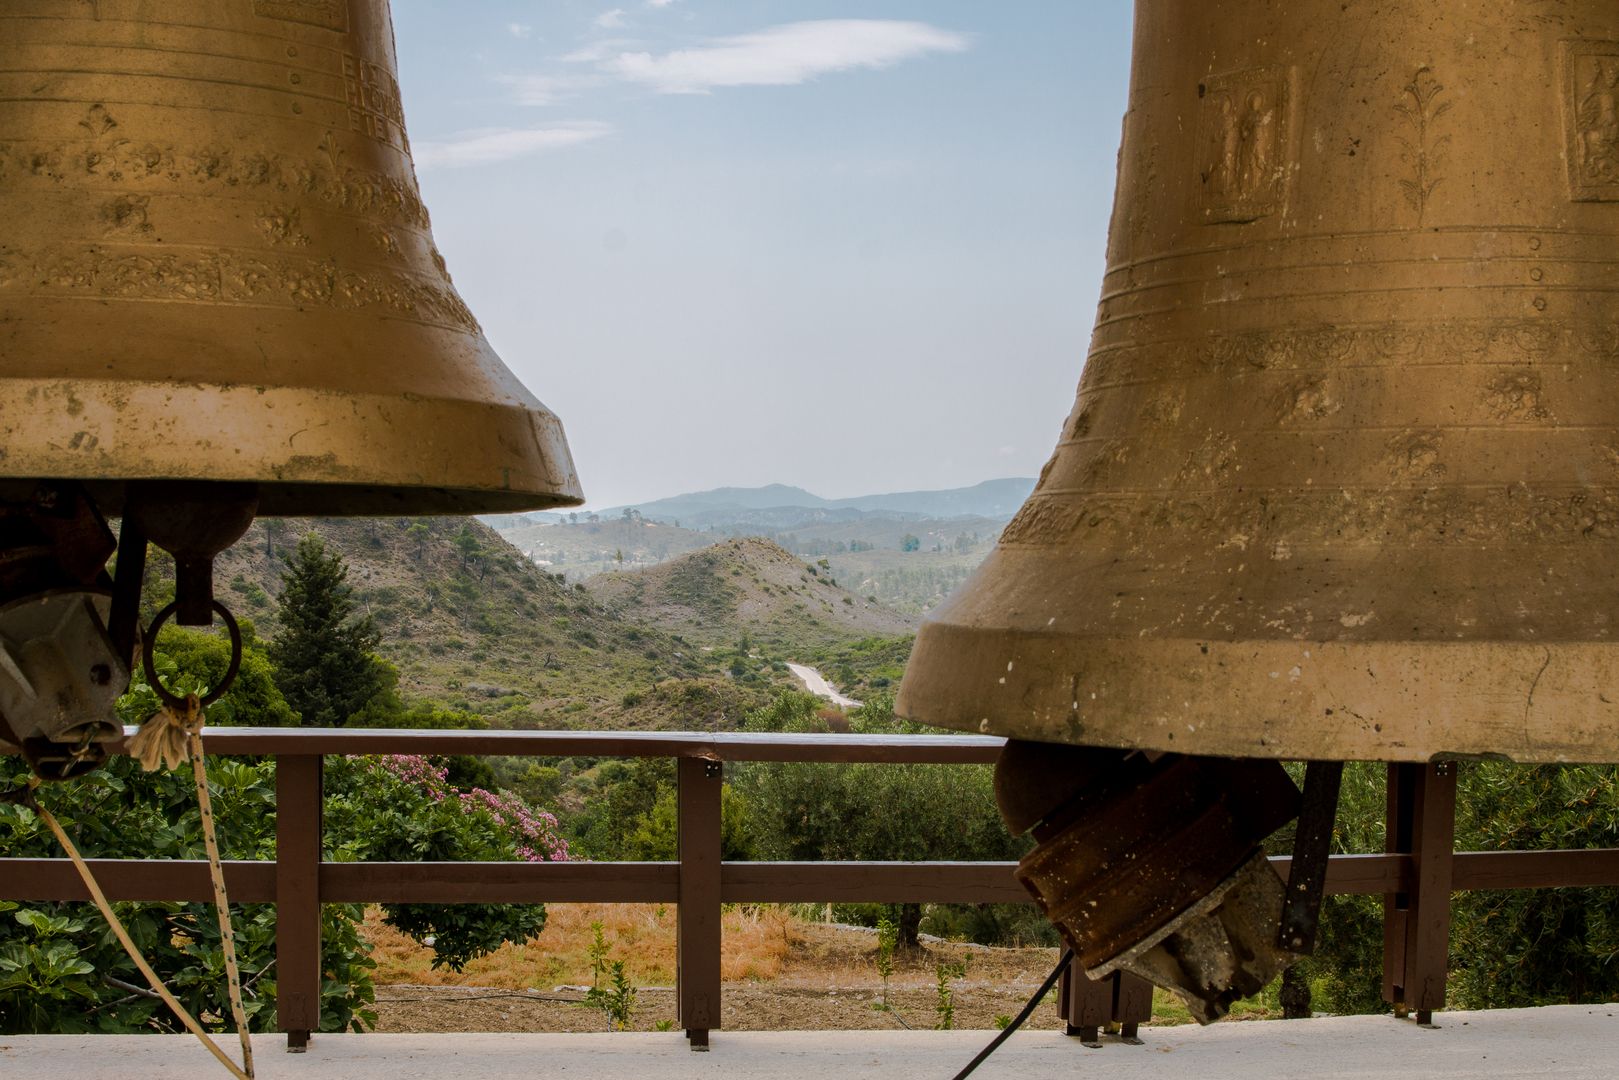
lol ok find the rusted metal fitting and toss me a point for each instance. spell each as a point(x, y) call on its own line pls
point(193, 520)
point(1152, 863)
point(60, 673)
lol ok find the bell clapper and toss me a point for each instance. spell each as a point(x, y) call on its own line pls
point(1151, 863)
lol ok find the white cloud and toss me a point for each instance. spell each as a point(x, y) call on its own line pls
point(487, 146)
point(609, 20)
point(658, 3)
point(519, 30)
point(596, 51)
point(785, 55)
point(546, 89)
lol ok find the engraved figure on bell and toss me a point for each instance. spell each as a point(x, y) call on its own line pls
point(1598, 112)
point(1243, 131)
point(1257, 134)
point(1223, 177)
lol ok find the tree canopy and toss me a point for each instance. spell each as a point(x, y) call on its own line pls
point(323, 654)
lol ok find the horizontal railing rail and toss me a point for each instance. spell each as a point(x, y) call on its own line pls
point(1418, 866)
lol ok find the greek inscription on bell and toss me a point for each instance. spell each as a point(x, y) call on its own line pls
point(1592, 101)
point(331, 14)
point(375, 108)
point(1243, 144)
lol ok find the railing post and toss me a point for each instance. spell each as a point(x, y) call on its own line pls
point(297, 896)
point(1087, 1006)
point(697, 962)
point(1416, 924)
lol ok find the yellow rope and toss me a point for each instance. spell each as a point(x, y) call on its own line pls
point(164, 741)
point(227, 935)
point(129, 946)
point(169, 738)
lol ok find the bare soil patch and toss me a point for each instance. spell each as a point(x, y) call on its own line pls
point(747, 1007)
point(783, 973)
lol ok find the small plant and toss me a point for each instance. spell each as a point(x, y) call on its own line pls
point(664, 1025)
point(945, 1005)
point(1002, 1021)
point(887, 938)
point(598, 955)
point(618, 1000)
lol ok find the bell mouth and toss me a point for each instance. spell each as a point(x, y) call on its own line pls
point(1292, 700)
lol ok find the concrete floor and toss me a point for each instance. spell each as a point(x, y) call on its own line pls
point(1569, 1042)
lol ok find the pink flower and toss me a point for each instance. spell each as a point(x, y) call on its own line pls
point(532, 832)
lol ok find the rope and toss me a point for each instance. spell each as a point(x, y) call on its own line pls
point(169, 739)
point(129, 946)
point(216, 871)
point(164, 741)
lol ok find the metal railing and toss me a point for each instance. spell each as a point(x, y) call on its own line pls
point(1415, 877)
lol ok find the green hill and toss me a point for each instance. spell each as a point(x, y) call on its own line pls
point(471, 623)
point(749, 588)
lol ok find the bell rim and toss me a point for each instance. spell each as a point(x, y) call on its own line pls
point(313, 452)
point(1554, 702)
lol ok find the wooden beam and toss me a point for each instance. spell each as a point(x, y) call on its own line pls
point(714, 746)
point(135, 879)
point(1535, 869)
point(499, 883)
point(870, 883)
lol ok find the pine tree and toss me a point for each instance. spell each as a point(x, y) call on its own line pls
point(323, 655)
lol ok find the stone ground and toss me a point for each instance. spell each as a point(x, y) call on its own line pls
point(1568, 1042)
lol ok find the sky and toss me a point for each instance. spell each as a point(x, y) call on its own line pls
point(853, 247)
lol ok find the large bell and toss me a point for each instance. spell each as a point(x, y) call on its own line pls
point(219, 297)
point(1342, 478)
point(216, 266)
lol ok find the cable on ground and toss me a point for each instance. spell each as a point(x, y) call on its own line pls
point(1017, 1021)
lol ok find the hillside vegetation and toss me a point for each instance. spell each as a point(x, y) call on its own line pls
point(749, 586)
point(472, 624)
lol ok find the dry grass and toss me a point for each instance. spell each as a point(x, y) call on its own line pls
point(805, 974)
point(757, 942)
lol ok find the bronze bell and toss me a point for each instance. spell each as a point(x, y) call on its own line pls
point(217, 266)
point(219, 295)
point(1342, 478)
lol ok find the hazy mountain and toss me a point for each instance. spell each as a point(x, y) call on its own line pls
point(997, 499)
point(780, 506)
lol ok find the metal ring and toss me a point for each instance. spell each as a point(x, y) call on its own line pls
point(149, 645)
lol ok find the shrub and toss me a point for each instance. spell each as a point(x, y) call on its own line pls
point(55, 978)
point(403, 808)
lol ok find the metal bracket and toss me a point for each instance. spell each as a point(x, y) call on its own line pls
point(1312, 846)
